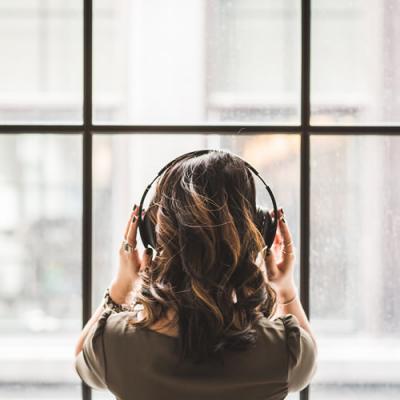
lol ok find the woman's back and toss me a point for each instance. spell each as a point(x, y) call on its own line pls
point(139, 363)
point(209, 237)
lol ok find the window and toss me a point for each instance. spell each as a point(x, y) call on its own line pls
point(95, 96)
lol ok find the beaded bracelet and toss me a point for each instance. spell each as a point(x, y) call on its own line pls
point(109, 303)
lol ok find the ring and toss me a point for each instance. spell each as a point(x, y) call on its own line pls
point(287, 252)
point(129, 248)
point(287, 244)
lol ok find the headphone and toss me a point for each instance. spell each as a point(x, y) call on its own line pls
point(264, 222)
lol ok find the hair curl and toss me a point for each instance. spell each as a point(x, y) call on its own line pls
point(207, 245)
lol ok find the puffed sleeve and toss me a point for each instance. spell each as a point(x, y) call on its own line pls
point(90, 363)
point(302, 354)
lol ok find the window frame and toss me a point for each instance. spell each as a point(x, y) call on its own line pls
point(87, 129)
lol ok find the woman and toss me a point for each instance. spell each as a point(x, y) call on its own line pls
point(215, 316)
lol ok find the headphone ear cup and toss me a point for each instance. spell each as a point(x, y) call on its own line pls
point(150, 230)
point(260, 219)
point(147, 231)
point(265, 225)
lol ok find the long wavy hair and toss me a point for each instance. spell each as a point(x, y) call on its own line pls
point(205, 266)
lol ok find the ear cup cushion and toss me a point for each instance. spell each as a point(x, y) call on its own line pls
point(150, 230)
point(147, 231)
point(260, 219)
point(265, 225)
point(143, 234)
point(269, 230)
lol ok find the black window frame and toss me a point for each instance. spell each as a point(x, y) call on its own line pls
point(305, 130)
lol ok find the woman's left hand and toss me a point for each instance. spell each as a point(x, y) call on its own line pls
point(130, 263)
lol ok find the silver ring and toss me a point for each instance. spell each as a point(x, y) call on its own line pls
point(128, 247)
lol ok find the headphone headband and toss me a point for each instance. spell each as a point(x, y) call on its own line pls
point(197, 153)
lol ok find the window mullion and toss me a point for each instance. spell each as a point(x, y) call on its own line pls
point(87, 173)
point(305, 164)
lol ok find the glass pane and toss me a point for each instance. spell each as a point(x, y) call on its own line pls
point(194, 61)
point(40, 253)
point(125, 164)
point(41, 61)
point(355, 72)
point(355, 276)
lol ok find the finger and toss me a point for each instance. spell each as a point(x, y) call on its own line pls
point(270, 265)
point(278, 237)
point(147, 257)
point(133, 230)
point(286, 234)
point(281, 238)
point(276, 250)
point(128, 225)
point(134, 212)
point(277, 243)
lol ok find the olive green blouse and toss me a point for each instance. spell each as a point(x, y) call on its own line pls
point(141, 364)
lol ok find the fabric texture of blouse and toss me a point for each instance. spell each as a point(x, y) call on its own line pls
point(137, 363)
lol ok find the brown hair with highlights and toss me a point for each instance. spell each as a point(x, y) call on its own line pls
point(205, 268)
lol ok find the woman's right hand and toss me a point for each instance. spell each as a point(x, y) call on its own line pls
point(280, 261)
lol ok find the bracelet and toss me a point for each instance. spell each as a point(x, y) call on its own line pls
point(110, 304)
point(290, 301)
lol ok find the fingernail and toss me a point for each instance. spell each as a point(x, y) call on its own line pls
point(134, 218)
point(283, 220)
point(134, 207)
point(282, 211)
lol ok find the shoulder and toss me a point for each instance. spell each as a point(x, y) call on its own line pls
point(281, 328)
point(117, 324)
point(302, 353)
point(101, 342)
point(111, 323)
